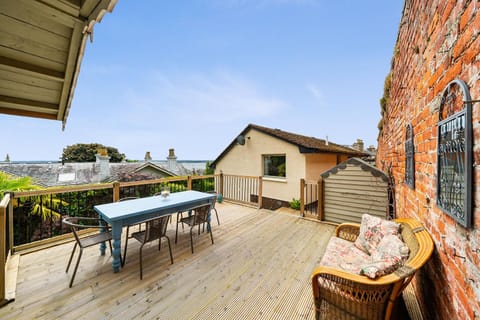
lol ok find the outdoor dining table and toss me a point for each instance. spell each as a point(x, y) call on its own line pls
point(124, 213)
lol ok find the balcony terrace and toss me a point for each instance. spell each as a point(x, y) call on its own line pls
point(258, 268)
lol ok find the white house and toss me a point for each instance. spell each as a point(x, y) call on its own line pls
point(282, 159)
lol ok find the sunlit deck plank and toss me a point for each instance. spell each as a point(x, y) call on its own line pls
point(258, 268)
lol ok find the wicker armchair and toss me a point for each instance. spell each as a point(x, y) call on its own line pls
point(342, 295)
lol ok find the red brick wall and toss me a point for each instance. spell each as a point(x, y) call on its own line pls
point(438, 41)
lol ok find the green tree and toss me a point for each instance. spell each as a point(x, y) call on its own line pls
point(7, 158)
point(208, 170)
point(82, 152)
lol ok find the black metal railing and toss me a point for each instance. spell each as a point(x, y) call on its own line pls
point(38, 215)
point(310, 198)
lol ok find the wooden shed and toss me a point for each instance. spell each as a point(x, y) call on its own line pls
point(353, 188)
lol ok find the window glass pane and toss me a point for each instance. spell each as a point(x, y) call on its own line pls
point(274, 165)
point(409, 158)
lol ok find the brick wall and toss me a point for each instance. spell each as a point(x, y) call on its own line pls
point(438, 41)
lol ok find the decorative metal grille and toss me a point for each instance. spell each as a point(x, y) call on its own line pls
point(454, 156)
point(409, 158)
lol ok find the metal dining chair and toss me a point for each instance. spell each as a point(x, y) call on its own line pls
point(128, 229)
point(78, 223)
point(155, 228)
point(213, 206)
point(198, 217)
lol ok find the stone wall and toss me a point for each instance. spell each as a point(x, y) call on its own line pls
point(437, 42)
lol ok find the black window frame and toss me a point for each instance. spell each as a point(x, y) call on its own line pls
point(454, 155)
point(409, 157)
point(269, 172)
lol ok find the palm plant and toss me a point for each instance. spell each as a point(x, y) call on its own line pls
point(10, 183)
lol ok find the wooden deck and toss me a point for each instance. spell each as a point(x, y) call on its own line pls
point(258, 268)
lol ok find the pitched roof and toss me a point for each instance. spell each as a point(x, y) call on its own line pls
point(41, 50)
point(374, 171)
point(305, 144)
point(58, 174)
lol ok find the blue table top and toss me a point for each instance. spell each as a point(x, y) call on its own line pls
point(125, 209)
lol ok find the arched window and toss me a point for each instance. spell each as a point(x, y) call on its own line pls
point(409, 158)
point(454, 154)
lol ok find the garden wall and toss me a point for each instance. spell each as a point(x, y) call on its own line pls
point(437, 42)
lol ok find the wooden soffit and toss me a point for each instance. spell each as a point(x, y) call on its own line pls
point(42, 43)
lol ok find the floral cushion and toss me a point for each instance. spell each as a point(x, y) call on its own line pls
point(390, 254)
point(342, 254)
point(372, 230)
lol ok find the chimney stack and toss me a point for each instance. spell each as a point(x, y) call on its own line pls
point(102, 163)
point(148, 157)
point(359, 145)
point(171, 160)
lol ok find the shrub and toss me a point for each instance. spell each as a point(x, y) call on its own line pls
point(295, 204)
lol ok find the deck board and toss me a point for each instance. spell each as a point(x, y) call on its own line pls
point(258, 268)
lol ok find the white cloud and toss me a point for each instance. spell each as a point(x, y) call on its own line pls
point(317, 93)
point(197, 114)
point(221, 97)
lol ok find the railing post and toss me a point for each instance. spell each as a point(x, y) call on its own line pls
point(320, 207)
point(3, 245)
point(116, 191)
point(260, 192)
point(220, 184)
point(302, 197)
point(10, 223)
point(189, 182)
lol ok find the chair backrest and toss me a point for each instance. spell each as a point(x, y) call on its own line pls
point(127, 198)
point(201, 213)
point(78, 223)
point(155, 228)
point(214, 199)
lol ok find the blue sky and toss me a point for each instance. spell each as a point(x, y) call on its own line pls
point(191, 75)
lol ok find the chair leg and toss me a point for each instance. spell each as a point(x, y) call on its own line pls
point(76, 267)
point(124, 258)
point(141, 265)
point(176, 231)
point(169, 249)
point(191, 237)
point(216, 214)
point(71, 256)
point(209, 227)
point(180, 216)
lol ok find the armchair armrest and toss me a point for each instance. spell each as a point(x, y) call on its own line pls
point(352, 293)
point(348, 231)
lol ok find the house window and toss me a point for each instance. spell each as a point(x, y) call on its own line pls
point(409, 158)
point(274, 166)
point(454, 155)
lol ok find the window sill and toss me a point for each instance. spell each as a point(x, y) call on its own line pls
point(274, 179)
